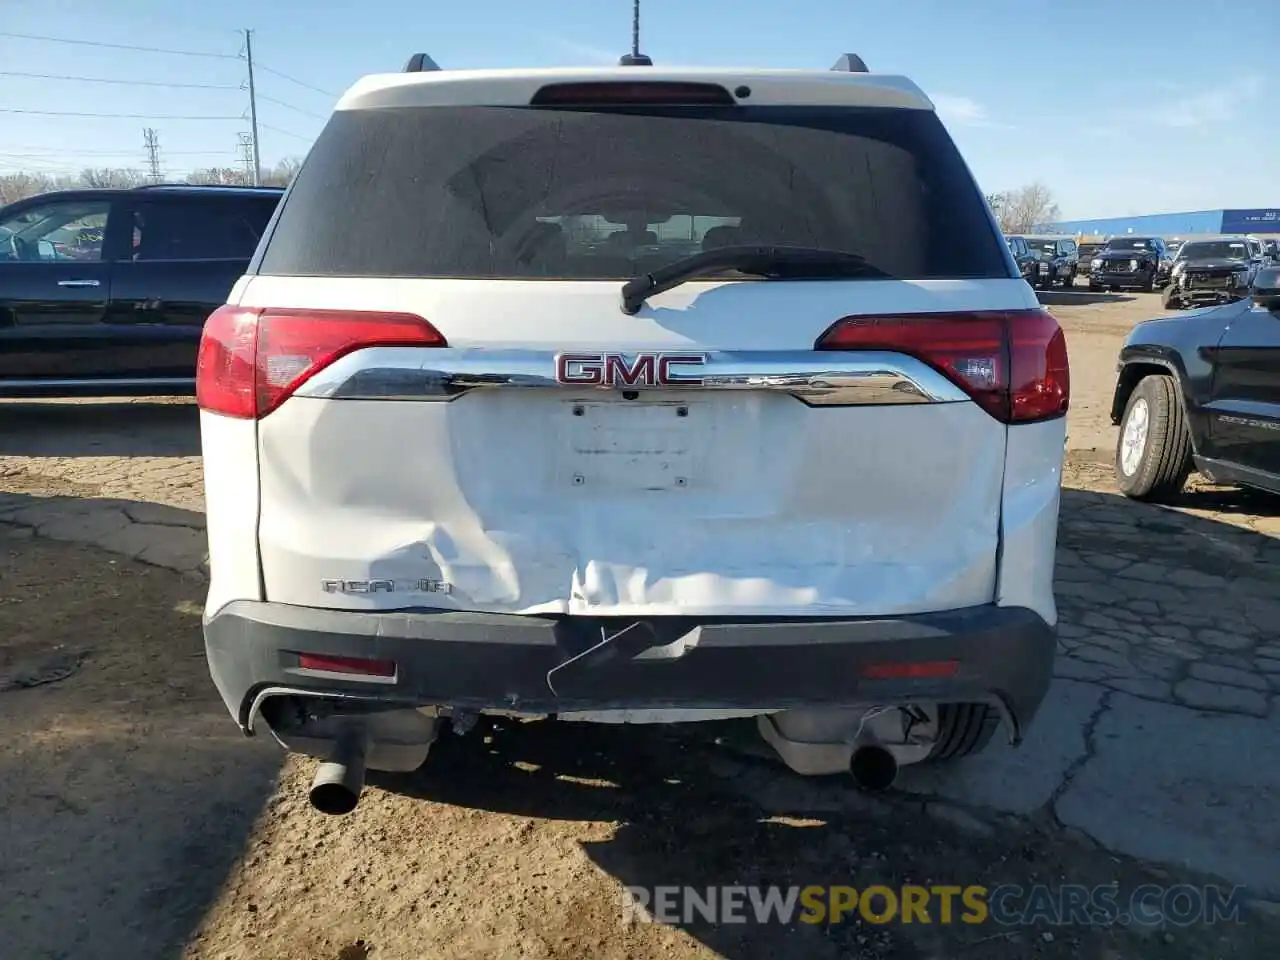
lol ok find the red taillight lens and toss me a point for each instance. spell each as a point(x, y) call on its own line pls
point(225, 365)
point(251, 359)
point(1012, 362)
point(358, 666)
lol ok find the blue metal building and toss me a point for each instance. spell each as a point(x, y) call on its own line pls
point(1262, 221)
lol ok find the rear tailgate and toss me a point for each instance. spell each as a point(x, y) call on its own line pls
point(378, 492)
point(531, 447)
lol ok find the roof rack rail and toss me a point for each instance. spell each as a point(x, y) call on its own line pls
point(850, 63)
point(178, 184)
point(420, 63)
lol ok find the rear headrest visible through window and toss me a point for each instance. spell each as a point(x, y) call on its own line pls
point(718, 237)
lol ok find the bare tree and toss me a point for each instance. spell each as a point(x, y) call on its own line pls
point(218, 176)
point(1022, 210)
point(107, 177)
point(19, 186)
point(282, 174)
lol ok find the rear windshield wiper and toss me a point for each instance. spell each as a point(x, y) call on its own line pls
point(797, 263)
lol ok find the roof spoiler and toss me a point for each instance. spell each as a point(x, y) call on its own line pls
point(850, 63)
point(420, 63)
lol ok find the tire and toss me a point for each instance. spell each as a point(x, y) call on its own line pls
point(1149, 284)
point(1095, 287)
point(1069, 281)
point(1153, 460)
point(964, 729)
point(1170, 299)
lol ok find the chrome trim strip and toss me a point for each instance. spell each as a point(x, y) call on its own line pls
point(817, 378)
point(6, 383)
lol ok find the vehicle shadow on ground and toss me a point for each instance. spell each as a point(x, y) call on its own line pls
point(1080, 297)
point(1171, 535)
point(678, 826)
point(115, 429)
point(128, 793)
point(1229, 500)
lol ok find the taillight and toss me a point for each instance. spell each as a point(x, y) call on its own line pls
point(1012, 362)
point(252, 359)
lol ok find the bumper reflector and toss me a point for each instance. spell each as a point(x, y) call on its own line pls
point(347, 665)
point(923, 670)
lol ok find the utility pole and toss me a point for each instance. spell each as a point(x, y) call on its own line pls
point(151, 141)
point(253, 109)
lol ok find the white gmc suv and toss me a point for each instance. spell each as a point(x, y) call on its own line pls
point(633, 395)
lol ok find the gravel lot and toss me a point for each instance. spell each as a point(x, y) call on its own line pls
point(138, 823)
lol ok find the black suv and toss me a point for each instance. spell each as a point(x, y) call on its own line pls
point(1212, 271)
point(105, 292)
point(1201, 391)
point(1059, 261)
point(1129, 262)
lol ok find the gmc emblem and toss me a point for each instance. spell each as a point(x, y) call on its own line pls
point(616, 370)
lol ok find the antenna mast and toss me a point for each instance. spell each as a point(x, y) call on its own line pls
point(635, 58)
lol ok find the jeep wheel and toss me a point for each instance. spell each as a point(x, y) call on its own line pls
point(964, 729)
point(1171, 299)
point(1153, 451)
point(1068, 281)
point(1095, 287)
point(1149, 284)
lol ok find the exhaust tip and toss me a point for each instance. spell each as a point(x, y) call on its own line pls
point(339, 782)
point(331, 796)
point(873, 768)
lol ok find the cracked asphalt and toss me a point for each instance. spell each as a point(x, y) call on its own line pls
point(1160, 740)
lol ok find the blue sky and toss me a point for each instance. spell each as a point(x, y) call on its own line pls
point(1144, 115)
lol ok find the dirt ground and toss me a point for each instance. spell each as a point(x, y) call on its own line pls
point(138, 823)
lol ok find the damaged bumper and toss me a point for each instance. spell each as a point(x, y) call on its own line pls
point(556, 665)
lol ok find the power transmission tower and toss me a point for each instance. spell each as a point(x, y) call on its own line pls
point(253, 108)
point(151, 142)
point(248, 156)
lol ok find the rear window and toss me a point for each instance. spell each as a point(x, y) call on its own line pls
point(533, 192)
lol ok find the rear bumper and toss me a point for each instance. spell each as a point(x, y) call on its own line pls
point(558, 664)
